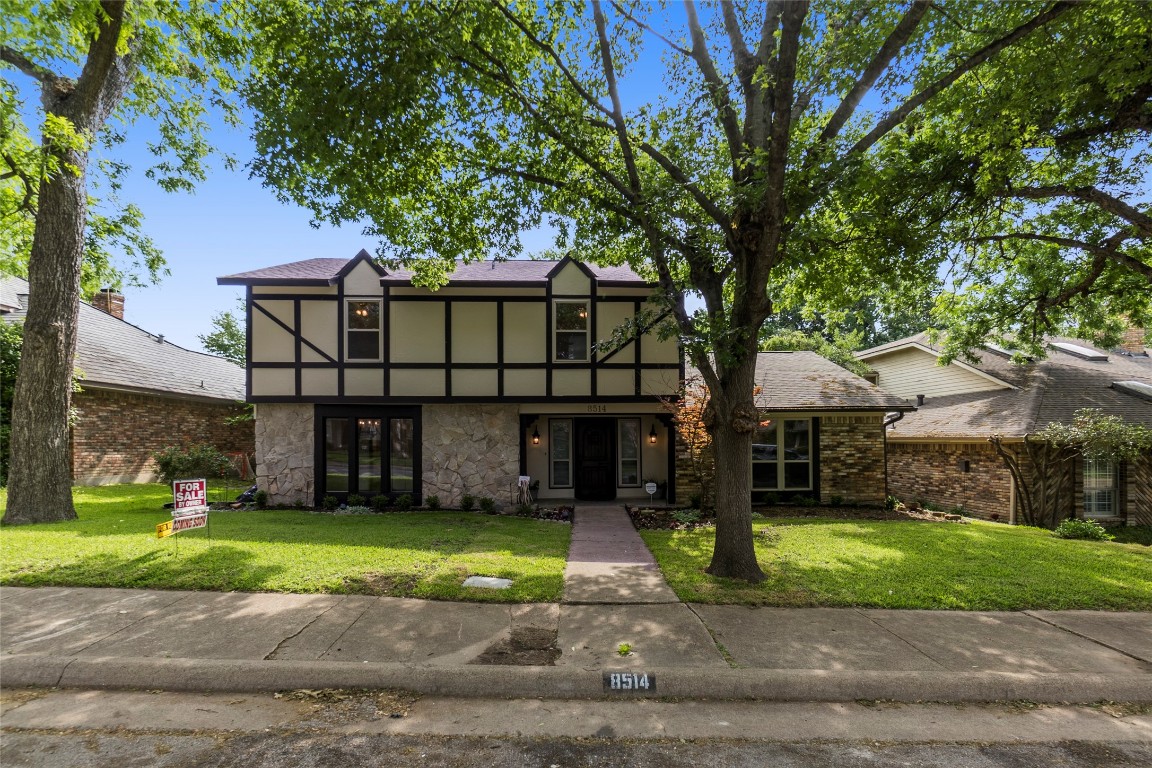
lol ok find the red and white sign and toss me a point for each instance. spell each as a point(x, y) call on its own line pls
point(189, 497)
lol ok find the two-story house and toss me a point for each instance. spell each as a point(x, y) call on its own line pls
point(366, 385)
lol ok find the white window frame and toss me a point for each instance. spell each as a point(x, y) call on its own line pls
point(587, 329)
point(1110, 468)
point(348, 302)
point(552, 460)
point(780, 461)
point(620, 459)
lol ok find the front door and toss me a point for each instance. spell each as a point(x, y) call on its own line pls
point(595, 457)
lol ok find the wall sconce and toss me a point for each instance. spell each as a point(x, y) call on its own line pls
point(652, 435)
point(535, 436)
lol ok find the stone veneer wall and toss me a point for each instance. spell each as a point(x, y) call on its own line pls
point(934, 473)
point(285, 452)
point(852, 457)
point(471, 449)
point(116, 433)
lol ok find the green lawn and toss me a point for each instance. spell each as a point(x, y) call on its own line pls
point(979, 566)
point(420, 554)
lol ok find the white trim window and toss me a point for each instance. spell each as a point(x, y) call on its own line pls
point(560, 452)
point(782, 455)
point(570, 321)
point(362, 330)
point(1100, 486)
point(628, 451)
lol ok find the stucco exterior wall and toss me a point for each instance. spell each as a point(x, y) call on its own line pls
point(116, 433)
point(285, 452)
point(472, 449)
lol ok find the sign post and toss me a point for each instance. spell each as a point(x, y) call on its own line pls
point(189, 509)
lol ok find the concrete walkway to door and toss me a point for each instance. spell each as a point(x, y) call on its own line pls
point(608, 562)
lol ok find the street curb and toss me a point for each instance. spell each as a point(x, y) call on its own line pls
point(242, 675)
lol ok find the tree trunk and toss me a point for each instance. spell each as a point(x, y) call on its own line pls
point(732, 421)
point(40, 475)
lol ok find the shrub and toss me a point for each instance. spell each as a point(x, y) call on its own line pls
point(1082, 529)
point(525, 510)
point(835, 500)
point(432, 502)
point(769, 499)
point(356, 500)
point(805, 501)
point(404, 502)
point(261, 498)
point(488, 506)
point(329, 502)
point(695, 500)
point(686, 516)
point(380, 502)
point(358, 509)
point(467, 502)
point(890, 503)
point(201, 460)
point(298, 504)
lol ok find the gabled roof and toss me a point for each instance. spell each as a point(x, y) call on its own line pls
point(1049, 390)
point(509, 272)
point(114, 354)
point(988, 368)
point(805, 381)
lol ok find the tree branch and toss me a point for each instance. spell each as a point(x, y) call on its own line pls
point(626, 14)
point(45, 76)
point(718, 214)
point(1089, 194)
point(1110, 250)
point(898, 115)
point(892, 46)
point(717, 88)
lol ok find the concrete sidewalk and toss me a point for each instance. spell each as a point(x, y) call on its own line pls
point(74, 637)
point(608, 562)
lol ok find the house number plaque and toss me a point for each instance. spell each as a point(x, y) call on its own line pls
point(597, 409)
point(622, 682)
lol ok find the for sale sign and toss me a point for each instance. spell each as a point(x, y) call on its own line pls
point(189, 497)
point(179, 524)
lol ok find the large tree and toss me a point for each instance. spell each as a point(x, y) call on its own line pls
point(96, 65)
point(738, 153)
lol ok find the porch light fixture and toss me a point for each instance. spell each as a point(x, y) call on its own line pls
point(535, 436)
point(652, 435)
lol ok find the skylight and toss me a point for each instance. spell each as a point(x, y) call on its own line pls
point(1076, 350)
point(1008, 353)
point(1134, 388)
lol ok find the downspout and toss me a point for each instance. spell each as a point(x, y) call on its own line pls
point(889, 421)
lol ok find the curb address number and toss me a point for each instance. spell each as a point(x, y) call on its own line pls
point(643, 682)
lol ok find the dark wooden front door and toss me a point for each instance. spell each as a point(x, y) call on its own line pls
point(595, 457)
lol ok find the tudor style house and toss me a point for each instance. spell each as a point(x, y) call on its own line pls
point(366, 385)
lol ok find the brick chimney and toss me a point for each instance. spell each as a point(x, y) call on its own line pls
point(109, 302)
point(1133, 341)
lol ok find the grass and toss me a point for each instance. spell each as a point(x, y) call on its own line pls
point(422, 554)
point(884, 564)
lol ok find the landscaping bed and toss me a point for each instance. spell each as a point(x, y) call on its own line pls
point(679, 519)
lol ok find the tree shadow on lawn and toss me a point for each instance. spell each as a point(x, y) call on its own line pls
point(218, 568)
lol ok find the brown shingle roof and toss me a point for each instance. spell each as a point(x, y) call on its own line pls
point(804, 381)
point(1050, 390)
point(309, 271)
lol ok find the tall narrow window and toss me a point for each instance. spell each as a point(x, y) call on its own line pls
point(765, 466)
point(797, 456)
point(369, 441)
point(1099, 488)
point(336, 455)
point(560, 448)
point(363, 330)
point(571, 323)
point(629, 451)
point(400, 455)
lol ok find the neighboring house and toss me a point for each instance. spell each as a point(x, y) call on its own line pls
point(940, 454)
point(821, 433)
point(140, 393)
point(366, 385)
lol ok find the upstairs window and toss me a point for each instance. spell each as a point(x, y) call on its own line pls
point(571, 324)
point(363, 323)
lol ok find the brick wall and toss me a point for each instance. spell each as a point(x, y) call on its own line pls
point(1140, 492)
point(948, 475)
point(851, 461)
point(852, 458)
point(117, 432)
